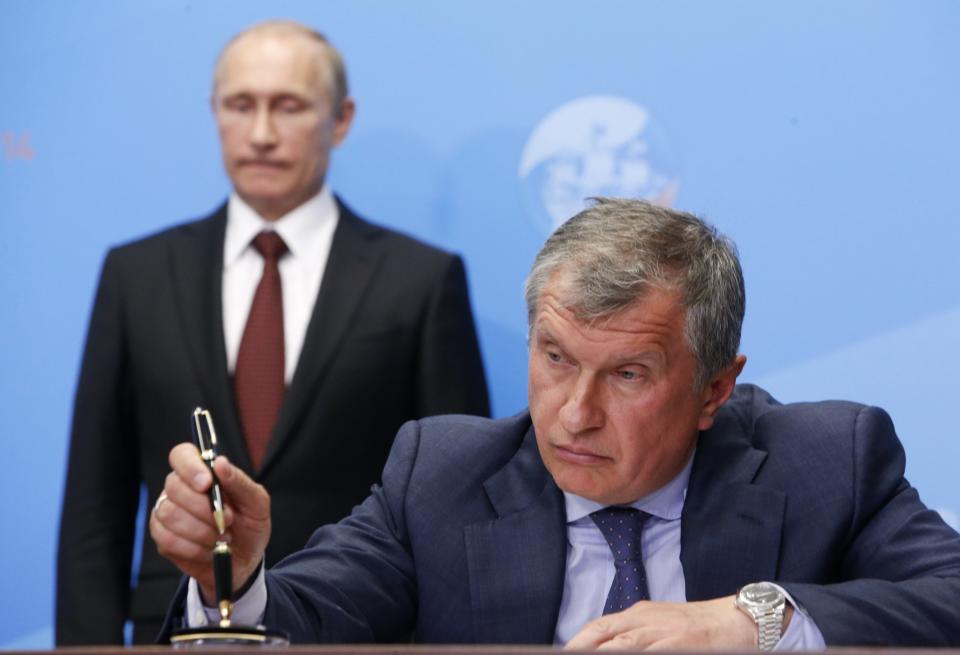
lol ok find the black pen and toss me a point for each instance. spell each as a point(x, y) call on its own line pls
point(206, 439)
point(223, 579)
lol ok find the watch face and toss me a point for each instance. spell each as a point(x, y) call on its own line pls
point(760, 593)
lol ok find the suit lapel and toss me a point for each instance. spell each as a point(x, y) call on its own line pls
point(517, 561)
point(730, 528)
point(196, 260)
point(354, 257)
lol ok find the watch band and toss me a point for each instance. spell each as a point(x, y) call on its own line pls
point(769, 628)
point(764, 602)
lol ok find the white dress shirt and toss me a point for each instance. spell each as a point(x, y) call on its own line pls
point(308, 233)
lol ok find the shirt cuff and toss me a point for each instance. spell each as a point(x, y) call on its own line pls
point(247, 610)
point(802, 633)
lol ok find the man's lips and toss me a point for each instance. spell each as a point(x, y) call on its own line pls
point(262, 164)
point(578, 455)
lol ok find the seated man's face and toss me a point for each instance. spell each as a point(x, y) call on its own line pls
point(275, 113)
point(613, 404)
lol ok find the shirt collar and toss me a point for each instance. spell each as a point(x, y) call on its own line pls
point(300, 229)
point(664, 503)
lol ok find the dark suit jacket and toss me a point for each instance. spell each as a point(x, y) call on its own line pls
point(391, 339)
point(466, 541)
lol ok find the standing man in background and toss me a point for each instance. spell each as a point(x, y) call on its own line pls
point(310, 334)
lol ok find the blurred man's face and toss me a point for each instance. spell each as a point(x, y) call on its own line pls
point(613, 404)
point(276, 119)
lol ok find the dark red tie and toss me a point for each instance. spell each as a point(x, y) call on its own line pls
point(258, 377)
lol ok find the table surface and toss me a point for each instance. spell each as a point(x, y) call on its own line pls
point(407, 649)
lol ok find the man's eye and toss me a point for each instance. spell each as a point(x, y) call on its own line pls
point(241, 106)
point(554, 356)
point(629, 375)
point(290, 107)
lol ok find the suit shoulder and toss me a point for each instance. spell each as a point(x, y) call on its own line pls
point(399, 244)
point(825, 424)
point(472, 434)
point(749, 404)
point(459, 448)
point(156, 242)
point(820, 420)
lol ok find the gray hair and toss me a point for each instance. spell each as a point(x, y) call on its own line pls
point(332, 69)
point(615, 250)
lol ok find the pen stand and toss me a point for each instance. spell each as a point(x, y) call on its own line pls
point(235, 635)
point(226, 632)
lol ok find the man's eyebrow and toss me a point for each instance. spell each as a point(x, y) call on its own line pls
point(283, 96)
point(234, 94)
point(638, 357)
point(542, 333)
point(271, 96)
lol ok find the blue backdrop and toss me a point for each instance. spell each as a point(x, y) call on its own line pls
point(820, 135)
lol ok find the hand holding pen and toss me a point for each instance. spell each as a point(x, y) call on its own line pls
point(185, 531)
point(181, 526)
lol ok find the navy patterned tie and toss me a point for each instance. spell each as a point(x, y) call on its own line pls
point(621, 527)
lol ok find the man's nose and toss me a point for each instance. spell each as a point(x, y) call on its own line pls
point(583, 409)
point(264, 132)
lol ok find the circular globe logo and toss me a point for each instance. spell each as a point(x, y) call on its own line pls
point(594, 146)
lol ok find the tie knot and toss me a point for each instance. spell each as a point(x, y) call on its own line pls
point(621, 527)
point(270, 245)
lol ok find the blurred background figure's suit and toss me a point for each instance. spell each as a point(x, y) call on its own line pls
point(390, 338)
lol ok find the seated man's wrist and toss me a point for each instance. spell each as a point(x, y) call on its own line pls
point(210, 601)
point(800, 632)
point(249, 602)
point(765, 603)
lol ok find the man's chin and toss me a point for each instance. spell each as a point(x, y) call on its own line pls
point(262, 189)
point(578, 483)
point(268, 202)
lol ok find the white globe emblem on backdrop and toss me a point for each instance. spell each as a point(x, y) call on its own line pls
point(594, 146)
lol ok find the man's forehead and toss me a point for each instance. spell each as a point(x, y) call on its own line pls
point(288, 36)
point(282, 57)
point(637, 323)
point(659, 303)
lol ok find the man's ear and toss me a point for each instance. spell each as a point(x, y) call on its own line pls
point(718, 390)
point(348, 108)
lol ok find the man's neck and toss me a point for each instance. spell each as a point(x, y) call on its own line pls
point(666, 502)
point(274, 211)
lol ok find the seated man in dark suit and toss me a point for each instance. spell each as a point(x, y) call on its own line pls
point(645, 500)
point(309, 333)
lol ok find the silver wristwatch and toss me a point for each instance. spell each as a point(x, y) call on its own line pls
point(764, 603)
